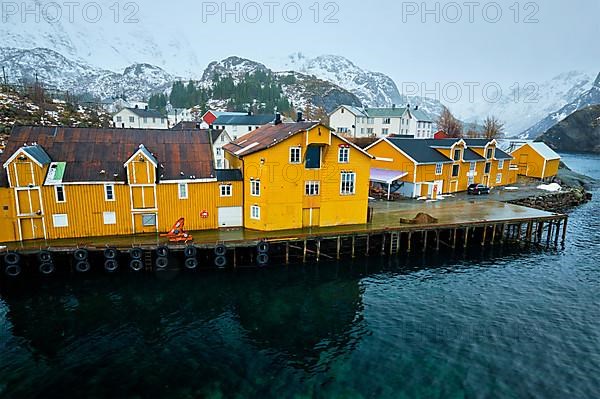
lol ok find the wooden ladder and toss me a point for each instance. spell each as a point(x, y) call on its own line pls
point(148, 260)
point(394, 243)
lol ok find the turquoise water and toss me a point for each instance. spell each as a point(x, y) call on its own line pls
point(502, 324)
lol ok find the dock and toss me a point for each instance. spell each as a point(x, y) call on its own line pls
point(449, 225)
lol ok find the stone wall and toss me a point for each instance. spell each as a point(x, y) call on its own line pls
point(557, 202)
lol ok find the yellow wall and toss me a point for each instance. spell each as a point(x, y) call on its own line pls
point(282, 201)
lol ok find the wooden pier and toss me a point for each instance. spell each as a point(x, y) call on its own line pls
point(454, 226)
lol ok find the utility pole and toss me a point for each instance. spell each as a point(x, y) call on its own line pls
point(4, 77)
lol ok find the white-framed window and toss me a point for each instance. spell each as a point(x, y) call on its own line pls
point(370, 121)
point(255, 212)
point(370, 131)
point(183, 190)
point(255, 188)
point(222, 138)
point(387, 121)
point(218, 151)
point(362, 131)
point(471, 180)
point(145, 120)
point(472, 166)
point(110, 218)
point(455, 170)
point(457, 154)
point(149, 220)
point(59, 191)
point(385, 131)
point(499, 178)
point(490, 153)
point(312, 188)
point(501, 164)
point(488, 167)
point(439, 167)
point(348, 183)
point(119, 119)
point(109, 192)
point(219, 163)
point(295, 155)
point(131, 119)
point(344, 155)
point(60, 220)
point(225, 190)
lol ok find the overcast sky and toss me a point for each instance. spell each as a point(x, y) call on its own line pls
point(404, 41)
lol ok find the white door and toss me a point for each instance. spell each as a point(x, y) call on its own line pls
point(231, 217)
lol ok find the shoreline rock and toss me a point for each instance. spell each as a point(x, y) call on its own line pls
point(558, 202)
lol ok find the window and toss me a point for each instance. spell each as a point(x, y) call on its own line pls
point(439, 168)
point(370, 131)
point(255, 212)
point(219, 163)
point(60, 220)
point(295, 155)
point(109, 192)
point(370, 121)
point(109, 218)
point(145, 120)
point(255, 188)
point(131, 119)
point(387, 121)
point(183, 191)
point(60, 194)
point(344, 155)
point(249, 128)
point(472, 166)
point(362, 131)
point(313, 157)
point(153, 120)
point(311, 188)
point(149, 220)
point(490, 153)
point(500, 165)
point(499, 178)
point(222, 138)
point(225, 190)
point(471, 180)
point(348, 183)
point(385, 131)
point(457, 154)
point(119, 119)
point(488, 167)
point(455, 170)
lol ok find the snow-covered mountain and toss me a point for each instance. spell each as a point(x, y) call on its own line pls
point(137, 81)
point(523, 105)
point(588, 97)
point(103, 33)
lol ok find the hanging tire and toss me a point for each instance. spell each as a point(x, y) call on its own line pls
point(190, 251)
point(162, 251)
point(161, 262)
point(220, 262)
point(47, 268)
point(110, 253)
point(45, 256)
point(262, 247)
point(81, 254)
point(13, 271)
point(262, 259)
point(136, 253)
point(191, 263)
point(220, 250)
point(111, 265)
point(12, 258)
point(136, 265)
point(83, 266)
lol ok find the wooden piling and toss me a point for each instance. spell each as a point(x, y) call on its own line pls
point(353, 246)
point(368, 244)
point(437, 241)
point(318, 250)
point(466, 243)
point(454, 239)
point(425, 241)
point(494, 228)
point(304, 254)
point(557, 235)
point(287, 252)
point(564, 234)
point(484, 236)
point(339, 247)
point(409, 242)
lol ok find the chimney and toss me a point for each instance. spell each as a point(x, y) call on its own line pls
point(277, 119)
point(299, 118)
point(408, 106)
point(146, 108)
point(136, 106)
point(416, 107)
point(393, 106)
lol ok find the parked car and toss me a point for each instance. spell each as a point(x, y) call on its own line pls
point(478, 189)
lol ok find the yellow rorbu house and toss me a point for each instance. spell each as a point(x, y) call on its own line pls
point(436, 166)
point(74, 182)
point(537, 160)
point(301, 175)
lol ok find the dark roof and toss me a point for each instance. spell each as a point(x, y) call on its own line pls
point(477, 143)
point(267, 136)
point(37, 153)
point(186, 125)
point(240, 120)
point(419, 150)
point(229, 175)
point(442, 143)
point(501, 155)
point(89, 151)
point(471, 155)
point(146, 113)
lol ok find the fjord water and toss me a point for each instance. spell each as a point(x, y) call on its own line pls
point(506, 324)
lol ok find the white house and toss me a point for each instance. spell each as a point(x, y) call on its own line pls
point(138, 118)
point(220, 138)
point(240, 125)
point(381, 122)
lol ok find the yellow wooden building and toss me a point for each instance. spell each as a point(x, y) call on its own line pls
point(74, 182)
point(536, 160)
point(444, 166)
point(301, 175)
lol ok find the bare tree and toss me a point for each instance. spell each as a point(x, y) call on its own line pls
point(449, 124)
point(493, 128)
